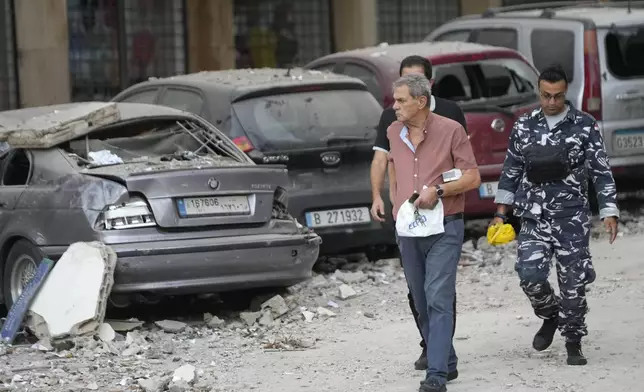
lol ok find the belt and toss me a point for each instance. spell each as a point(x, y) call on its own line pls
point(453, 217)
point(450, 218)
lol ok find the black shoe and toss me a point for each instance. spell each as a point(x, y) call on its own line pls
point(543, 339)
point(575, 356)
point(450, 376)
point(432, 385)
point(421, 362)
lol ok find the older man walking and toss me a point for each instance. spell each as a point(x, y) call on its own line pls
point(423, 146)
point(446, 108)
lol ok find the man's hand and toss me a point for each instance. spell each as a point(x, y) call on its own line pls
point(378, 210)
point(496, 221)
point(610, 223)
point(427, 199)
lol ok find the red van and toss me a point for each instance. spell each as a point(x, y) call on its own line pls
point(493, 86)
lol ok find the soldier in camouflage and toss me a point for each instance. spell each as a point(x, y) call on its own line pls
point(552, 153)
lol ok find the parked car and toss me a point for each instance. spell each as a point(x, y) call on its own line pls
point(184, 209)
point(321, 126)
point(601, 47)
point(493, 86)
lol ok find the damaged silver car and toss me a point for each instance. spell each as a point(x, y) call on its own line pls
point(183, 207)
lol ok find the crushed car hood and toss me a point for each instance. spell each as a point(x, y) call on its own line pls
point(47, 126)
point(124, 170)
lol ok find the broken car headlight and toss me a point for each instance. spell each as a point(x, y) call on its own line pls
point(128, 215)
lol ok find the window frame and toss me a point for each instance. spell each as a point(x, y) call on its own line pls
point(477, 32)
point(5, 165)
point(452, 32)
point(141, 91)
point(204, 102)
point(570, 72)
point(374, 71)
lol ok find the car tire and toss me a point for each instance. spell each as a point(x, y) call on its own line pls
point(21, 265)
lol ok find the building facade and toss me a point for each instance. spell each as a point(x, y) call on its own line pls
point(74, 50)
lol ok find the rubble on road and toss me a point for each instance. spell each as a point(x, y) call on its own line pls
point(205, 353)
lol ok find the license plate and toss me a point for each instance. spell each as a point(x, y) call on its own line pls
point(488, 190)
point(220, 205)
point(339, 217)
point(628, 141)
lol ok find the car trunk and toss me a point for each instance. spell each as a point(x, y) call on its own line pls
point(192, 197)
point(325, 138)
point(623, 89)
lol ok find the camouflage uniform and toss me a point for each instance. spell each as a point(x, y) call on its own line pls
point(555, 216)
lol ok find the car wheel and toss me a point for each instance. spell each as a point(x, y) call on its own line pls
point(20, 267)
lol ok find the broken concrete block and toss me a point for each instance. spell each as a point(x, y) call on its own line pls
point(124, 325)
point(266, 320)
point(106, 333)
point(346, 292)
point(277, 306)
point(350, 277)
point(171, 326)
point(325, 312)
point(215, 322)
point(154, 384)
point(249, 318)
point(308, 316)
point(73, 298)
point(185, 373)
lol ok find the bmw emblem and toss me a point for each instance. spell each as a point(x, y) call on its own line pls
point(213, 183)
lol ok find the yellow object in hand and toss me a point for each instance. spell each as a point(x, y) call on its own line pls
point(500, 234)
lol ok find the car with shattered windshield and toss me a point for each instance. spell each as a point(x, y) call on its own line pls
point(599, 44)
point(493, 86)
point(184, 209)
point(321, 126)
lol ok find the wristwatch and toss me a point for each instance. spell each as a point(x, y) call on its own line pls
point(439, 191)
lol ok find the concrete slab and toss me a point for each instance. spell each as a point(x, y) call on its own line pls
point(55, 126)
point(73, 299)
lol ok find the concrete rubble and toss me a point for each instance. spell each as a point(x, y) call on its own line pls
point(73, 299)
point(207, 351)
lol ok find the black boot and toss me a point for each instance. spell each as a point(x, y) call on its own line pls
point(543, 339)
point(575, 356)
point(421, 362)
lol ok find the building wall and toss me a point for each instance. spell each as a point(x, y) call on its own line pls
point(92, 49)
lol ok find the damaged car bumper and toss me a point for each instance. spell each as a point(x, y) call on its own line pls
point(212, 264)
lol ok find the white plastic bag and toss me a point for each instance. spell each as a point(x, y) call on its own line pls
point(421, 222)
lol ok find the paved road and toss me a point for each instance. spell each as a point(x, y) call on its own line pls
point(494, 335)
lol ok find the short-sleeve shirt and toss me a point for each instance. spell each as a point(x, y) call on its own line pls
point(444, 147)
point(440, 106)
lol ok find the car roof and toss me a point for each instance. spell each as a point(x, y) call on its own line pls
point(430, 50)
point(241, 83)
point(47, 126)
point(600, 15)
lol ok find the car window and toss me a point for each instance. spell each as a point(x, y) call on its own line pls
point(505, 38)
point(493, 78)
point(17, 169)
point(187, 100)
point(625, 51)
point(545, 54)
point(146, 96)
point(454, 36)
point(506, 78)
point(452, 82)
point(307, 119)
point(368, 77)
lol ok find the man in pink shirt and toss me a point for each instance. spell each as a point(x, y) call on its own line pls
point(423, 146)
